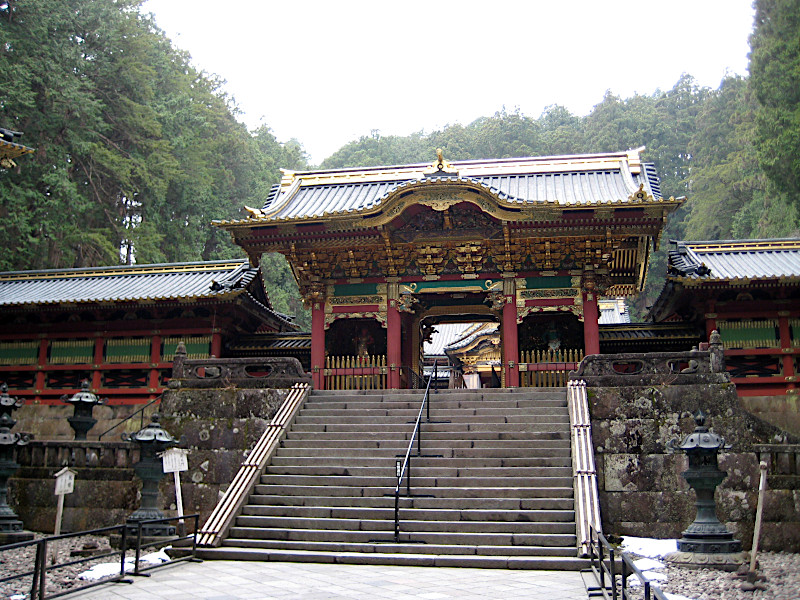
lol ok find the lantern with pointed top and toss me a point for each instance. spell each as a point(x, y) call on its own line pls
point(10, 526)
point(706, 542)
point(152, 439)
point(84, 402)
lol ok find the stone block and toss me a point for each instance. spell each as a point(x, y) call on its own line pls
point(640, 473)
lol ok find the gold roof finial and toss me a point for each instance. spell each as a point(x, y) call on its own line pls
point(440, 165)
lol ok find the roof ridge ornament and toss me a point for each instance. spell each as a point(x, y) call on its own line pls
point(441, 167)
point(641, 195)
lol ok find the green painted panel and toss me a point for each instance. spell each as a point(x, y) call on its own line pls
point(540, 283)
point(128, 350)
point(749, 334)
point(71, 352)
point(355, 289)
point(461, 285)
point(19, 353)
point(197, 346)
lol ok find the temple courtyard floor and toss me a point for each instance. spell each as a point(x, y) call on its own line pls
point(235, 580)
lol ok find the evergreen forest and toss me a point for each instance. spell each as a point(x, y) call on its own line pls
point(137, 150)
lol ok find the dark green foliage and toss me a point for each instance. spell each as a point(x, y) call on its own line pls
point(137, 152)
point(775, 81)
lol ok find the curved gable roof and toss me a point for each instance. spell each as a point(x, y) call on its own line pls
point(563, 181)
point(731, 260)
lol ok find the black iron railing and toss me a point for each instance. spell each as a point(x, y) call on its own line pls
point(129, 417)
point(612, 583)
point(416, 379)
point(130, 535)
point(403, 470)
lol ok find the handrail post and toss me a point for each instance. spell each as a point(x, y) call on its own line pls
point(397, 513)
point(194, 536)
point(613, 569)
point(122, 551)
point(138, 547)
point(38, 568)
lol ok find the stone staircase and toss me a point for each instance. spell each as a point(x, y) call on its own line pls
point(493, 487)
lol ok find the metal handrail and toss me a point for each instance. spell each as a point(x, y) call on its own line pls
point(405, 468)
point(584, 472)
point(129, 417)
point(602, 557)
point(223, 515)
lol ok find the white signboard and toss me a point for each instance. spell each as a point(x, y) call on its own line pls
point(174, 460)
point(65, 481)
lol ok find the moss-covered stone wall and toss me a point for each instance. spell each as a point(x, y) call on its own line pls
point(641, 487)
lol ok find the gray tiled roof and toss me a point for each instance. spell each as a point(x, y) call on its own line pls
point(475, 331)
point(121, 284)
point(735, 259)
point(579, 180)
point(612, 311)
point(446, 334)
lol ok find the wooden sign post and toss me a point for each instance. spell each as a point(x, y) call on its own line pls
point(65, 484)
point(175, 461)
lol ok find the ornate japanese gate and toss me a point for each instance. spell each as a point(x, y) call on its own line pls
point(530, 243)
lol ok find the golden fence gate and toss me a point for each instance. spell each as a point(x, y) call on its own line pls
point(355, 372)
point(547, 368)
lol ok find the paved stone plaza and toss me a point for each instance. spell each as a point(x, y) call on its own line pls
point(229, 580)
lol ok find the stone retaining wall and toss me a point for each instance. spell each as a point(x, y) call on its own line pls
point(634, 416)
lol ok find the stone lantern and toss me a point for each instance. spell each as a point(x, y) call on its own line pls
point(152, 440)
point(10, 526)
point(706, 542)
point(84, 402)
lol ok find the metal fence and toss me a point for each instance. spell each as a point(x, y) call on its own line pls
point(612, 579)
point(131, 541)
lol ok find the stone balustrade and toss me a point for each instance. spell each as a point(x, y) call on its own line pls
point(269, 372)
point(77, 454)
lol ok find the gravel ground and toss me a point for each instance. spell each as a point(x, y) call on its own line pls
point(15, 562)
point(781, 569)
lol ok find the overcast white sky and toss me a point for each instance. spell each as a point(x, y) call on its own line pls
point(329, 71)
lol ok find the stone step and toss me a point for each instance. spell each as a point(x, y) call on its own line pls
point(409, 525)
point(453, 438)
point(437, 418)
point(521, 404)
point(440, 492)
point(405, 547)
point(499, 450)
point(425, 537)
point(419, 470)
point(554, 392)
point(368, 459)
point(412, 514)
point(424, 503)
point(404, 429)
point(417, 481)
point(379, 557)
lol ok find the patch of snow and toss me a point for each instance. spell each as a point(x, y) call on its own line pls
point(112, 568)
point(106, 570)
point(648, 564)
point(648, 547)
point(633, 580)
point(17, 597)
point(155, 558)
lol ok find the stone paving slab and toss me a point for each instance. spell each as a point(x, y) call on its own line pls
point(234, 580)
